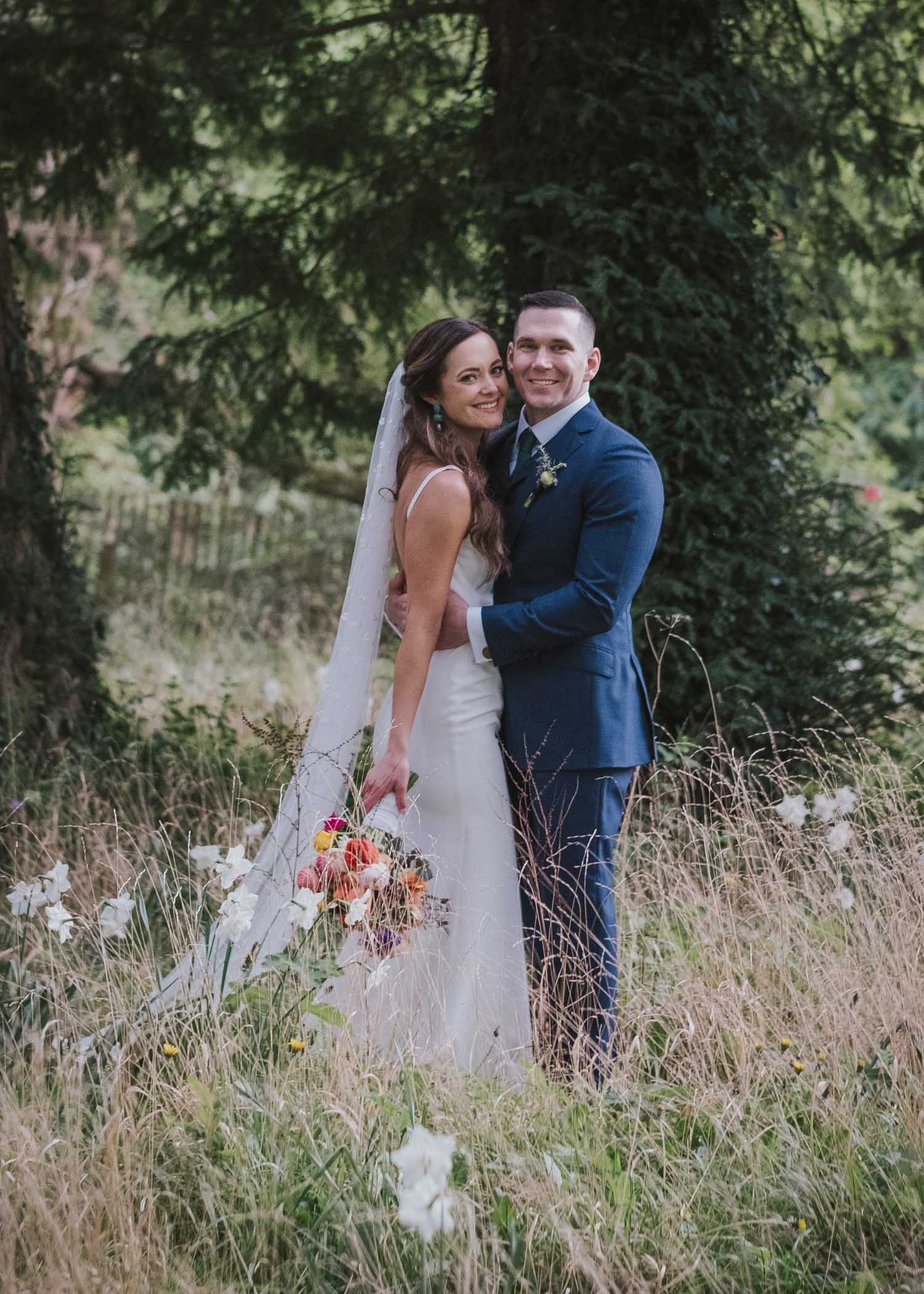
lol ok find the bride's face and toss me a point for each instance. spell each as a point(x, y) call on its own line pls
point(474, 387)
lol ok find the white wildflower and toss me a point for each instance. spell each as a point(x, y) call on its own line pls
point(254, 830)
point(792, 810)
point(26, 897)
point(424, 1154)
point(845, 797)
point(237, 912)
point(840, 836)
point(552, 1169)
point(898, 695)
point(272, 691)
point(379, 974)
point(205, 856)
point(305, 907)
point(359, 909)
point(114, 916)
point(844, 897)
point(59, 920)
point(233, 868)
point(853, 665)
point(55, 882)
point(824, 807)
point(425, 1208)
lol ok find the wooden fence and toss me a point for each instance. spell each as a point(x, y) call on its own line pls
point(157, 540)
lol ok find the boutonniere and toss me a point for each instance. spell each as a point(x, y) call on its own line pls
point(547, 475)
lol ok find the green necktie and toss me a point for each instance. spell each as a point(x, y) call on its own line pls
point(528, 442)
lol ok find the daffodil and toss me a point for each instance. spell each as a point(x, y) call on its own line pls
point(55, 882)
point(114, 916)
point(235, 866)
point(237, 912)
point(59, 920)
point(26, 898)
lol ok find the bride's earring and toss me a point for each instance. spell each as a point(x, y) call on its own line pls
point(438, 414)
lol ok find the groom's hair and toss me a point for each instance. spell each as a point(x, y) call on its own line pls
point(552, 300)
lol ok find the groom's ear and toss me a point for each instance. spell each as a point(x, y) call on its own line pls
point(593, 364)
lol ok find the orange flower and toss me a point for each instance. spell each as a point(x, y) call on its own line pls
point(415, 885)
point(359, 853)
point(348, 890)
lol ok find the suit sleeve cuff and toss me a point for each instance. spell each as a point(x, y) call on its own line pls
point(476, 634)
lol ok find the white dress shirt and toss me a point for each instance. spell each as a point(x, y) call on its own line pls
point(543, 430)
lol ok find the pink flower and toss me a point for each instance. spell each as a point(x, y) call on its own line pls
point(308, 879)
point(376, 876)
point(872, 493)
point(335, 823)
point(330, 865)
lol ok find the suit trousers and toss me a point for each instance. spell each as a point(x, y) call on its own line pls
point(566, 823)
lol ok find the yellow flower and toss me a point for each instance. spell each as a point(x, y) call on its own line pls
point(861, 1065)
point(821, 1056)
point(785, 1044)
point(798, 1066)
point(170, 1050)
point(758, 1046)
point(323, 841)
point(801, 1224)
point(296, 1044)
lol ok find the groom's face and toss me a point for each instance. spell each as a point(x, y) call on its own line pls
point(551, 359)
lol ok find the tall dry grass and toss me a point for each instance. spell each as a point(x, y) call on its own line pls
point(764, 1130)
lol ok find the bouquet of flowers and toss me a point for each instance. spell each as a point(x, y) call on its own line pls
point(379, 885)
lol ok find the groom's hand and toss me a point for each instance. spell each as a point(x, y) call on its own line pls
point(453, 630)
point(396, 604)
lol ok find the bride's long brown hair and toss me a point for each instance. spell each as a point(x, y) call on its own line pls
point(424, 368)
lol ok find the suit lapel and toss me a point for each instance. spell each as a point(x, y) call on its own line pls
point(562, 448)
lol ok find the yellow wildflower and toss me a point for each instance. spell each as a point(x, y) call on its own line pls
point(861, 1065)
point(821, 1056)
point(801, 1224)
point(323, 841)
point(785, 1044)
point(170, 1050)
point(758, 1046)
point(798, 1066)
point(296, 1044)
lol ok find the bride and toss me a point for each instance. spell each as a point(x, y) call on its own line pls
point(458, 993)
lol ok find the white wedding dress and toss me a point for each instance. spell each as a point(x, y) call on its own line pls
point(456, 994)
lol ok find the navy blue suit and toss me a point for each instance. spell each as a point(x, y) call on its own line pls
point(576, 720)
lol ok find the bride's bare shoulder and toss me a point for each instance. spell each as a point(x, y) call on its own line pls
point(445, 484)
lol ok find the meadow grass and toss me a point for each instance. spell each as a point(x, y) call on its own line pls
point(764, 1130)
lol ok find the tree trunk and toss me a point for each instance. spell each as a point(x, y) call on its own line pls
point(49, 638)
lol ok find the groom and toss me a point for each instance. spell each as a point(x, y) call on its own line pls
point(582, 501)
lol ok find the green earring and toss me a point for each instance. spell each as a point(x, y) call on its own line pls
point(437, 413)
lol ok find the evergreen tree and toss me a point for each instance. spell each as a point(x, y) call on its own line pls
point(329, 183)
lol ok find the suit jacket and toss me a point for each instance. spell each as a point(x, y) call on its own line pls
point(560, 629)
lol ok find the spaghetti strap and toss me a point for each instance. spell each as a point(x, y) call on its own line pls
point(447, 467)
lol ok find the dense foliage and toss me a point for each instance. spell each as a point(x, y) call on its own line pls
point(327, 184)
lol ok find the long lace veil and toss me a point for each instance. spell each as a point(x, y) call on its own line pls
point(319, 785)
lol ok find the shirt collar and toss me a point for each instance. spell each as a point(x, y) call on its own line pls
point(549, 427)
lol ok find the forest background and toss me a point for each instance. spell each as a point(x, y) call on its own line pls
point(218, 226)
